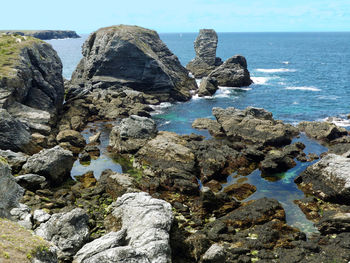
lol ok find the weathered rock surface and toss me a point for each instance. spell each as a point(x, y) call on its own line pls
point(31, 182)
point(208, 87)
point(134, 57)
point(67, 231)
point(232, 73)
point(328, 179)
point(212, 126)
point(205, 61)
point(21, 214)
point(215, 254)
point(132, 133)
point(325, 131)
point(40, 216)
point(10, 191)
point(54, 164)
point(144, 236)
point(44, 34)
point(14, 159)
point(334, 222)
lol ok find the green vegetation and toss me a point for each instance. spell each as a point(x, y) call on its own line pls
point(18, 244)
point(3, 160)
point(128, 168)
point(10, 49)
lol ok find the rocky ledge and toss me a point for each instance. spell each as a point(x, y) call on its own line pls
point(44, 34)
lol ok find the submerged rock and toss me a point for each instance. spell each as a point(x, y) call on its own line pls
point(134, 57)
point(205, 61)
point(232, 73)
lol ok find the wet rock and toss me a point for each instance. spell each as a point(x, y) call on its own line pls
point(205, 61)
point(22, 216)
point(240, 191)
point(324, 131)
point(208, 87)
point(132, 133)
point(87, 179)
point(334, 222)
point(72, 137)
point(215, 254)
point(276, 161)
point(84, 157)
point(328, 179)
point(10, 191)
point(212, 126)
point(67, 231)
point(14, 159)
point(31, 182)
point(134, 57)
point(95, 138)
point(54, 164)
point(232, 73)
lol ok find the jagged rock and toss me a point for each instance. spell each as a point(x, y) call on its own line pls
point(41, 216)
point(254, 125)
point(22, 216)
point(31, 182)
point(215, 254)
point(205, 61)
point(132, 133)
point(95, 138)
point(232, 73)
point(212, 126)
point(325, 131)
point(240, 191)
point(334, 222)
point(15, 160)
point(74, 138)
point(134, 57)
point(208, 87)
point(67, 231)
point(328, 179)
point(276, 161)
point(54, 164)
point(144, 236)
point(10, 191)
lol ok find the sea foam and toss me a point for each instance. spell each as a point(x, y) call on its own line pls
point(275, 70)
point(311, 88)
point(338, 121)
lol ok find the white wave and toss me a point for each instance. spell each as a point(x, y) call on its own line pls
point(260, 80)
point(338, 121)
point(295, 103)
point(198, 81)
point(165, 123)
point(241, 88)
point(285, 62)
point(159, 109)
point(311, 88)
point(274, 70)
point(190, 75)
point(329, 97)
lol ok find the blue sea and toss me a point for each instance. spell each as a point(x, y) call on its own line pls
point(297, 76)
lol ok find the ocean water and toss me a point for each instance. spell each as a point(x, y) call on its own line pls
point(297, 76)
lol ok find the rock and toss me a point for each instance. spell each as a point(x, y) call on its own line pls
point(212, 126)
point(240, 191)
point(276, 161)
point(324, 131)
point(54, 164)
point(215, 254)
point(41, 216)
point(208, 87)
point(15, 160)
point(14, 135)
point(232, 73)
point(10, 191)
point(95, 138)
point(328, 179)
point(205, 61)
point(85, 157)
point(132, 133)
point(144, 236)
point(22, 216)
point(87, 179)
point(254, 125)
point(31, 182)
point(134, 57)
point(74, 138)
point(45, 34)
point(68, 231)
point(334, 222)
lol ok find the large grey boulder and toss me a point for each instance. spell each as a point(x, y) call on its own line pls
point(328, 179)
point(144, 236)
point(54, 164)
point(14, 159)
point(31, 182)
point(10, 191)
point(67, 231)
point(134, 57)
point(21, 214)
point(132, 133)
point(205, 61)
point(232, 73)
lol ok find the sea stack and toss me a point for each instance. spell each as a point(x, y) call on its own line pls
point(134, 57)
point(205, 61)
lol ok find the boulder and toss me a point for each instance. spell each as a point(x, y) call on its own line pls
point(240, 191)
point(328, 179)
point(67, 231)
point(54, 164)
point(215, 254)
point(14, 159)
point(212, 126)
point(232, 73)
point(134, 57)
point(22, 216)
point(144, 236)
point(74, 138)
point(132, 133)
point(40, 216)
point(334, 222)
point(324, 131)
point(10, 191)
point(205, 61)
point(31, 182)
point(208, 87)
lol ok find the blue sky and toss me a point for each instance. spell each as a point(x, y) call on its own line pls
point(179, 15)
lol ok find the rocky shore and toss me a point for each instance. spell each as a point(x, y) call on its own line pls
point(44, 34)
point(170, 203)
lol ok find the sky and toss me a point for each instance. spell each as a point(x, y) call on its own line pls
point(85, 16)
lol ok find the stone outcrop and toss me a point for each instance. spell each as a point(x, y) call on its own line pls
point(205, 61)
point(144, 235)
point(44, 34)
point(54, 164)
point(232, 73)
point(134, 57)
point(67, 231)
point(208, 87)
point(31, 182)
point(328, 179)
point(323, 131)
point(15, 160)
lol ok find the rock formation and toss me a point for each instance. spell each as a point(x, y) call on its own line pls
point(207, 87)
point(134, 57)
point(44, 34)
point(205, 61)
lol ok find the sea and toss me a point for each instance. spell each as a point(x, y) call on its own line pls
point(297, 76)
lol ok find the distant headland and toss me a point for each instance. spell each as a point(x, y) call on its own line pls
point(44, 34)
